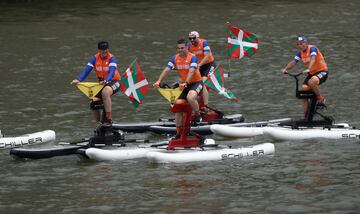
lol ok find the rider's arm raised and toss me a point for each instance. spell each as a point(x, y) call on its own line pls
point(289, 66)
point(292, 64)
point(163, 74)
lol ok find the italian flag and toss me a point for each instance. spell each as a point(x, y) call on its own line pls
point(216, 82)
point(241, 43)
point(134, 84)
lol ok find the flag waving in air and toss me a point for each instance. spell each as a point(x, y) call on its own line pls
point(241, 43)
point(216, 82)
point(134, 84)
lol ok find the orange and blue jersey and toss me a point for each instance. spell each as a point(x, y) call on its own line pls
point(106, 68)
point(183, 64)
point(310, 52)
point(200, 50)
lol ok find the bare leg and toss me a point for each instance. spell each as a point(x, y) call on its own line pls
point(106, 97)
point(191, 98)
point(205, 93)
point(305, 102)
point(96, 112)
point(314, 85)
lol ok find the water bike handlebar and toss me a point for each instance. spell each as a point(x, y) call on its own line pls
point(294, 75)
point(296, 81)
point(172, 86)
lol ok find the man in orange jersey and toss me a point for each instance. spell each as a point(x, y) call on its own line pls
point(201, 49)
point(107, 73)
point(317, 70)
point(186, 64)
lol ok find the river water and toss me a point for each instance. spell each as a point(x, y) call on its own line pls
point(46, 44)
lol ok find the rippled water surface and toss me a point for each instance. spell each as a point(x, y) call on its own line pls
point(45, 44)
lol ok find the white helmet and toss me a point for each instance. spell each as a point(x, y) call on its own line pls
point(194, 34)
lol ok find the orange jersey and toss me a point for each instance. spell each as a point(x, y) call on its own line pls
point(199, 50)
point(319, 65)
point(102, 67)
point(183, 65)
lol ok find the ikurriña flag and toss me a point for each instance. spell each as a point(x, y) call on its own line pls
point(216, 82)
point(134, 83)
point(241, 43)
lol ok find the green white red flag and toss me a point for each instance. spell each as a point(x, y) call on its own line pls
point(241, 43)
point(216, 81)
point(134, 83)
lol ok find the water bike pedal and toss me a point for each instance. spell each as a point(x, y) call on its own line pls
point(107, 124)
point(197, 120)
point(177, 136)
point(321, 106)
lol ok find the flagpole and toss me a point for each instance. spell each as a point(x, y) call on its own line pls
point(228, 23)
point(229, 66)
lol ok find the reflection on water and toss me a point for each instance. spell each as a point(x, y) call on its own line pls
point(45, 44)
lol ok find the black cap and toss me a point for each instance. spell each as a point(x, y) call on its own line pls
point(103, 45)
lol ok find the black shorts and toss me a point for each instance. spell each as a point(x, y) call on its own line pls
point(195, 86)
point(322, 75)
point(115, 86)
point(206, 68)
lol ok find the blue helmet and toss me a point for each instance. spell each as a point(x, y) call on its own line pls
point(301, 38)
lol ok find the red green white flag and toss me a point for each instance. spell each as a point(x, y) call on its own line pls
point(134, 83)
point(216, 81)
point(241, 43)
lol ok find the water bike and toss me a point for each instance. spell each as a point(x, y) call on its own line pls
point(210, 115)
point(189, 147)
point(161, 154)
point(7, 142)
point(103, 137)
point(307, 128)
point(109, 144)
point(310, 128)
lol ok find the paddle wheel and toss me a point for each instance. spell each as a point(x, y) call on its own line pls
point(185, 140)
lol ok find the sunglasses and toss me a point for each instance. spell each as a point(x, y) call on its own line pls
point(192, 38)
